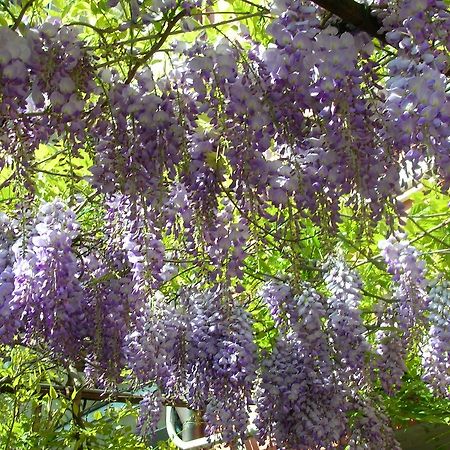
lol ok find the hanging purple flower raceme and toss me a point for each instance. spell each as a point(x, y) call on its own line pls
point(201, 352)
point(297, 408)
point(9, 316)
point(47, 289)
point(108, 286)
point(279, 299)
point(409, 283)
point(155, 350)
point(307, 323)
point(436, 354)
point(371, 429)
point(15, 56)
point(353, 157)
point(141, 143)
point(417, 110)
point(19, 133)
point(225, 239)
point(345, 319)
point(418, 28)
point(156, 347)
point(120, 283)
point(391, 354)
point(410, 297)
point(299, 400)
point(151, 408)
point(145, 251)
point(204, 175)
point(63, 79)
point(221, 361)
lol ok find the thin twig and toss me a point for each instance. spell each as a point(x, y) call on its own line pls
point(21, 14)
point(155, 47)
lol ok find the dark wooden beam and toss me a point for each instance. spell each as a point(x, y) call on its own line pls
point(89, 394)
point(355, 14)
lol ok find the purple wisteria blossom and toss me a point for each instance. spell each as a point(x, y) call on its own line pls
point(436, 354)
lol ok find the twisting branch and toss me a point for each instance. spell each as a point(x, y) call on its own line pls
point(355, 14)
point(156, 46)
point(22, 13)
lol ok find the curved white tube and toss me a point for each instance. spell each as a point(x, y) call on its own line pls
point(204, 442)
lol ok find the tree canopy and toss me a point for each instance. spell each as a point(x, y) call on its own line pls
point(237, 206)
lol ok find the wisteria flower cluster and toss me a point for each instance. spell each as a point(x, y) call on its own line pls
point(199, 166)
point(202, 352)
point(47, 291)
point(306, 388)
point(105, 315)
point(345, 319)
point(408, 272)
point(410, 299)
point(436, 357)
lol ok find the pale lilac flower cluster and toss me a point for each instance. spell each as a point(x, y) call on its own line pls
point(150, 412)
point(278, 298)
point(202, 352)
point(9, 319)
point(221, 361)
point(108, 287)
point(409, 283)
point(371, 429)
point(417, 27)
point(313, 370)
point(140, 142)
point(299, 399)
point(345, 320)
point(297, 406)
point(15, 57)
point(63, 78)
point(391, 354)
point(410, 299)
point(47, 80)
point(417, 109)
point(436, 354)
point(155, 348)
point(47, 289)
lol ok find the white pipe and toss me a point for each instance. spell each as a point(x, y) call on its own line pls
point(204, 442)
point(188, 421)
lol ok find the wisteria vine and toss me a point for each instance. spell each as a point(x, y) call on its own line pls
point(194, 169)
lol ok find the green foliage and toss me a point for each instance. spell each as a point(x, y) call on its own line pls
point(40, 411)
